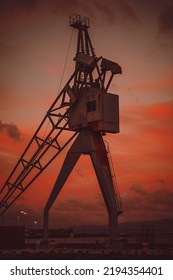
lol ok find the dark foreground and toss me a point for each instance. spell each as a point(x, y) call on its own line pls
point(83, 251)
point(82, 255)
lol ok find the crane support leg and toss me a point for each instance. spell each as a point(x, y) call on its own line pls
point(88, 142)
point(104, 177)
point(65, 171)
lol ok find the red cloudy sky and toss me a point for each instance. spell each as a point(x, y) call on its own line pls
point(34, 39)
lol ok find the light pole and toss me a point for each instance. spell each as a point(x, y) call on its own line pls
point(18, 220)
point(24, 213)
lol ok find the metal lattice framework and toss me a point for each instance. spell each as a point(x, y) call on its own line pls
point(54, 134)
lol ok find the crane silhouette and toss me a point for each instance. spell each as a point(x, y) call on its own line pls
point(86, 110)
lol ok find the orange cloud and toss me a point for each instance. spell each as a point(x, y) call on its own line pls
point(164, 84)
point(143, 151)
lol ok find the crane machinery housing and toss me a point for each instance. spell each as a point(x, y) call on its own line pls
point(86, 109)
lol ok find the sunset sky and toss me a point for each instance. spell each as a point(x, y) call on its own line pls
point(34, 40)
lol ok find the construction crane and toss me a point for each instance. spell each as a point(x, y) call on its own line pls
point(86, 110)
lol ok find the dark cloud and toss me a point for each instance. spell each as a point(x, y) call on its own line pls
point(14, 13)
point(27, 4)
point(77, 205)
point(113, 11)
point(157, 203)
point(12, 5)
point(128, 12)
point(11, 129)
point(80, 173)
point(74, 211)
point(138, 189)
point(163, 199)
point(161, 181)
point(166, 20)
point(110, 11)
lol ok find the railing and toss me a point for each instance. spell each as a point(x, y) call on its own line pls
point(76, 21)
point(115, 184)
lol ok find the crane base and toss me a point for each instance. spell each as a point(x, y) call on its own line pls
point(88, 142)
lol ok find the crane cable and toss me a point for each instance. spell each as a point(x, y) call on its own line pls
point(65, 64)
point(62, 76)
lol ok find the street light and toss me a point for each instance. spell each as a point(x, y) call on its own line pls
point(35, 223)
point(23, 213)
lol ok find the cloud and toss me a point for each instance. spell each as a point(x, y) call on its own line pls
point(11, 129)
point(162, 198)
point(6, 49)
point(145, 117)
point(147, 136)
point(161, 181)
point(80, 173)
point(7, 6)
point(138, 189)
point(128, 12)
point(165, 83)
point(109, 10)
point(165, 20)
point(75, 211)
point(147, 205)
point(16, 11)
